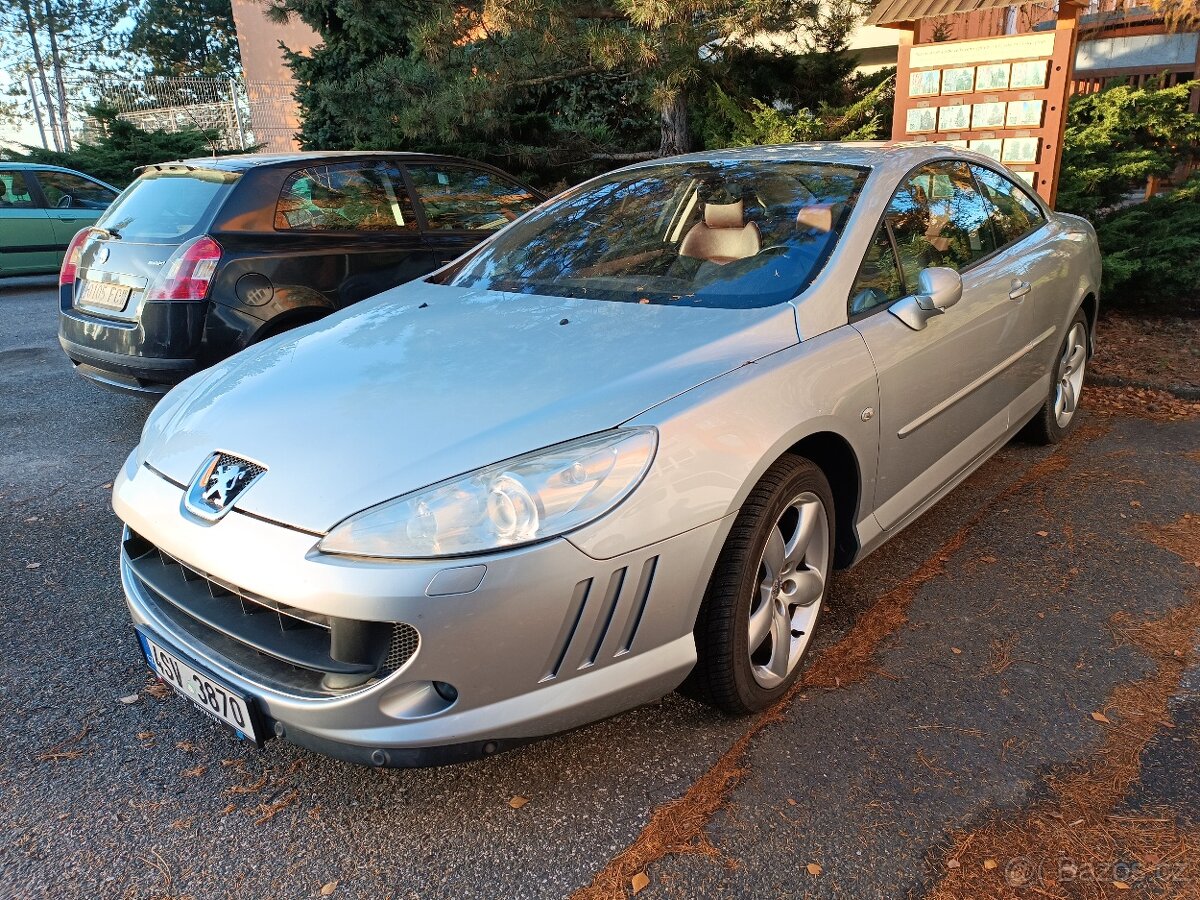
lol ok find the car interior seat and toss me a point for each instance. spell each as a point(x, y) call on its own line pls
point(723, 237)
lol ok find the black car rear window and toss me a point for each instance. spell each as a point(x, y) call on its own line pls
point(168, 207)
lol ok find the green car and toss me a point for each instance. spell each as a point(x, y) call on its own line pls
point(41, 209)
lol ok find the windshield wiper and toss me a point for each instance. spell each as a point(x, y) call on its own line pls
point(110, 233)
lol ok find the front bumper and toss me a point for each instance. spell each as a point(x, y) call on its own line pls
point(551, 639)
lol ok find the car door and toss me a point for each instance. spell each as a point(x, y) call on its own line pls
point(72, 201)
point(1032, 268)
point(461, 205)
point(347, 231)
point(943, 392)
point(27, 241)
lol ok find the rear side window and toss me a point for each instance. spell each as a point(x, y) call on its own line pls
point(1014, 213)
point(168, 207)
point(345, 197)
point(939, 219)
point(461, 199)
point(66, 191)
point(14, 191)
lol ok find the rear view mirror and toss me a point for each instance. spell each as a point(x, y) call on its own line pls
point(938, 289)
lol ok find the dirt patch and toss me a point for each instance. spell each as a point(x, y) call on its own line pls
point(679, 826)
point(1159, 350)
point(1075, 844)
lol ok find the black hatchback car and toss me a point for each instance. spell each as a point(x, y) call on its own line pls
point(197, 259)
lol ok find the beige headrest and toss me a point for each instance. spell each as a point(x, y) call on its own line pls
point(818, 216)
point(724, 215)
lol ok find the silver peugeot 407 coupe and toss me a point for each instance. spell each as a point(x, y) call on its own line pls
point(616, 448)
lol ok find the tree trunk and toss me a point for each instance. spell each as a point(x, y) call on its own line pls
point(60, 83)
point(41, 67)
point(674, 115)
point(37, 111)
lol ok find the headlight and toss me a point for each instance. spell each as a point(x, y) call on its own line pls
point(529, 498)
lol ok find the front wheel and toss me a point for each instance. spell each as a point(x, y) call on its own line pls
point(1057, 416)
point(767, 591)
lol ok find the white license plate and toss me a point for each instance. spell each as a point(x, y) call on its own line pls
point(104, 294)
point(218, 700)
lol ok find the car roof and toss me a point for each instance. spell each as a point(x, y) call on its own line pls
point(886, 155)
point(46, 167)
point(243, 162)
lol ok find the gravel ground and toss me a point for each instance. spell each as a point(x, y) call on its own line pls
point(150, 799)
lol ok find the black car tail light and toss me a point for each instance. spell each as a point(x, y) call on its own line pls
point(188, 274)
point(70, 263)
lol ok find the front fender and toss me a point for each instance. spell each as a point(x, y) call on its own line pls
point(718, 439)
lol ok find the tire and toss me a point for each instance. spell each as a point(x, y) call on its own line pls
point(1051, 425)
point(729, 673)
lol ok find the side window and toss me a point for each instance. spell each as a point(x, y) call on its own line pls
point(939, 219)
point(878, 282)
point(1014, 213)
point(345, 197)
point(14, 191)
point(66, 191)
point(456, 198)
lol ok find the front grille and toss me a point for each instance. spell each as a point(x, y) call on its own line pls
point(285, 647)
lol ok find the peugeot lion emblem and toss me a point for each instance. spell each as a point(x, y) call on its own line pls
point(219, 483)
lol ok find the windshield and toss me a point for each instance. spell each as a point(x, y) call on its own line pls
point(733, 234)
point(167, 207)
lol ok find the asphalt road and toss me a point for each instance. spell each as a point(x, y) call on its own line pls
point(988, 644)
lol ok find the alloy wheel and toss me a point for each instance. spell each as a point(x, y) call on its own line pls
point(1070, 375)
point(791, 589)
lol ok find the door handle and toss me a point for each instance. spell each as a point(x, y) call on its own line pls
point(1018, 289)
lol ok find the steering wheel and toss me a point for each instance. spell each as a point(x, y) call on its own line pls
point(64, 202)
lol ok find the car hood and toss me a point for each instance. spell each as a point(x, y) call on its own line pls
point(425, 382)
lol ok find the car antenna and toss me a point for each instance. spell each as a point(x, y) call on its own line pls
point(212, 144)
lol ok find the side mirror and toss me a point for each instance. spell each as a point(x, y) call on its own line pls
point(940, 286)
point(938, 289)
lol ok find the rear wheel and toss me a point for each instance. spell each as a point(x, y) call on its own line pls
point(767, 592)
point(1057, 416)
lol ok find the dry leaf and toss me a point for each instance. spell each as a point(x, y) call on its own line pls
point(518, 801)
point(1043, 534)
point(791, 802)
point(987, 559)
point(990, 864)
point(181, 824)
point(195, 771)
point(132, 698)
point(159, 690)
point(952, 863)
point(33, 566)
point(1120, 885)
point(955, 651)
point(145, 735)
point(1101, 717)
point(814, 868)
point(329, 887)
point(229, 807)
point(639, 882)
point(186, 746)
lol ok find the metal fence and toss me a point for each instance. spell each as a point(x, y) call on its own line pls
point(244, 114)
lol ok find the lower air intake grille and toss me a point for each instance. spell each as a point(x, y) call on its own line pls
point(277, 644)
point(405, 641)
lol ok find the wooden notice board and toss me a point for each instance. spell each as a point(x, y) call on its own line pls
point(1005, 97)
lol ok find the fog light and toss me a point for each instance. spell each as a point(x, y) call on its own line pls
point(447, 692)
